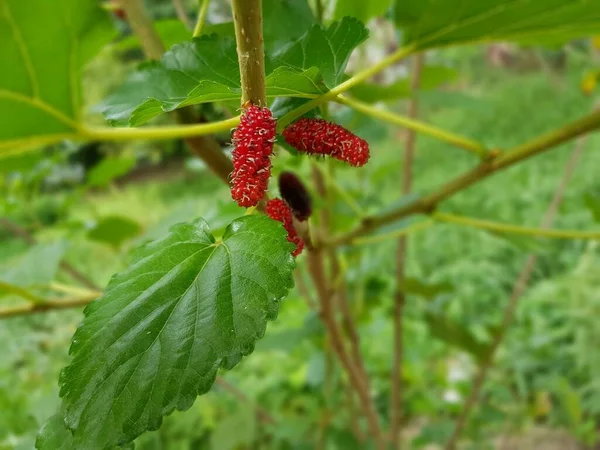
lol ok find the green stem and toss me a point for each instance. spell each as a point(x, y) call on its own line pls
point(584, 125)
point(201, 17)
point(157, 133)
point(346, 85)
point(21, 292)
point(416, 125)
point(320, 11)
point(331, 182)
point(53, 304)
point(514, 229)
point(392, 234)
point(86, 133)
point(428, 203)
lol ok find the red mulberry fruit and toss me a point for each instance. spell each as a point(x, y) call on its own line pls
point(253, 140)
point(295, 195)
point(278, 210)
point(317, 136)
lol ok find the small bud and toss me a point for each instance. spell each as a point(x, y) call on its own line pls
point(295, 195)
point(317, 136)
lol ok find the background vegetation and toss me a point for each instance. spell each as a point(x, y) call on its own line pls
point(89, 204)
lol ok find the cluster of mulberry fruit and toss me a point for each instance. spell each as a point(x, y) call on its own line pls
point(319, 137)
point(253, 140)
point(253, 143)
point(279, 210)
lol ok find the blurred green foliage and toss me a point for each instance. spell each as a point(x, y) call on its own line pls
point(547, 371)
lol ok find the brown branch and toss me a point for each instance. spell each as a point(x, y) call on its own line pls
point(518, 290)
point(204, 147)
point(354, 414)
point(337, 296)
point(65, 266)
point(142, 26)
point(247, 18)
point(428, 203)
point(399, 298)
point(317, 269)
point(181, 13)
point(261, 413)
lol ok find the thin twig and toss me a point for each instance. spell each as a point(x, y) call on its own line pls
point(142, 26)
point(201, 17)
point(348, 324)
point(337, 296)
point(399, 297)
point(181, 13)
point(518, 290)
point(27, 237)
point(48, 305)
point(317, 269)
point(414, 125)
point(262, 413)
point(515, 229)
point(480, 172)
point(357, 430)
point(378, 238)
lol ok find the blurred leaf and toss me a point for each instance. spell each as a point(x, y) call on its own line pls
point(592, 202)
point(434, 433)
point(182, 213)
point(429, 23)
point(20, 162)
point(284, 341)
point(181, 78)
point(525, 243)
point(418, 287)
point(589, 82)
point(454, 99)
point(38, 266)
point(361, 9)
point(186, 306)
point(39, 87)
point(454, 334)
point(277, 17)
point(570, 401)
point(108, 169)
point(345, 440)
point(542, 404)
point(431, 78)
point(173, 31)
point(235, 430)
point(315, 370)
point(114, 230)
point(366, 127)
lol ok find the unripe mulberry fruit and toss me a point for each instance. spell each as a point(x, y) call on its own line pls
point(296, 195)
point(253, 140)
point(319, 137)
point(279, 210)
